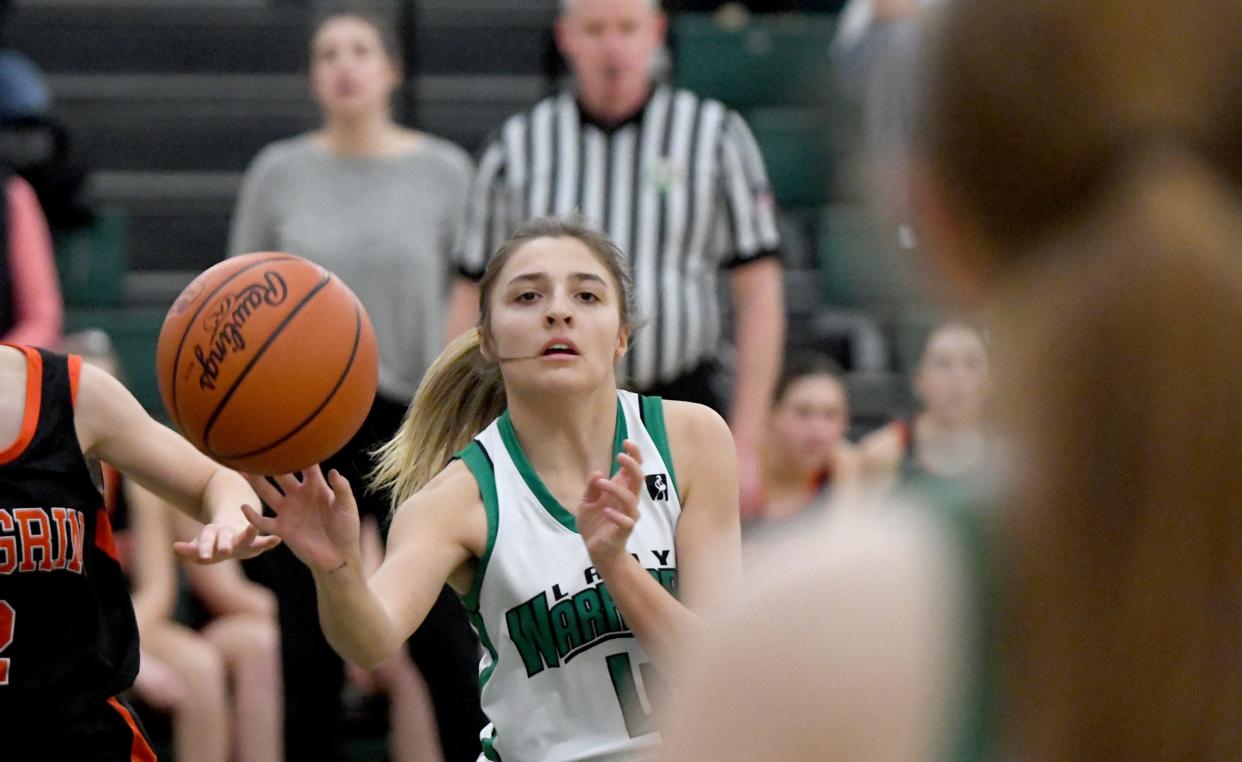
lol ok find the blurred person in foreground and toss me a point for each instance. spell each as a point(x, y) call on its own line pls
point(1088, 192)
point(678, 183)
point(381, 206)
point(946, 441)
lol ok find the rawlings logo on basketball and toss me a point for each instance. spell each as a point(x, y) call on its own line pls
point(225, 322)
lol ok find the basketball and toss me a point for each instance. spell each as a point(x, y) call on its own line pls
point(267, 363)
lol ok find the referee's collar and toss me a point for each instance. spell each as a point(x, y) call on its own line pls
point(588, 118)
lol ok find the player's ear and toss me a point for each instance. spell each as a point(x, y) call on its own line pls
point(485, 345)
point(623, 344)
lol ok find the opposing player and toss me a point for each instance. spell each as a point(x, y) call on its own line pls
point(68, 639)
point(582, 525)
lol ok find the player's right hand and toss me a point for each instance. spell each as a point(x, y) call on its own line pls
point(317, 519)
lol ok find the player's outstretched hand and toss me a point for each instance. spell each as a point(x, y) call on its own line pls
point(609, 509)
point(317, 519)
point(218, 541)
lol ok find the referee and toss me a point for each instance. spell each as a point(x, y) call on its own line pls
point(676, 181)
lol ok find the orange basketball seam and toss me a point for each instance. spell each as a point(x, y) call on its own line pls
point(172, 402)
point(258, 354)
point(349, 366)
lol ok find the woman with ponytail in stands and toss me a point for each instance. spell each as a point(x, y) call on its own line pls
point(380, 205)
point(1081, 178)
point(583, 526)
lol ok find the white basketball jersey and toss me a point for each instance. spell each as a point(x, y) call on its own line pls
point(563, 677)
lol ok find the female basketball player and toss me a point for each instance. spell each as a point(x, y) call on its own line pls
point(583, 525)
point(68, 641)
point(946, 441)
point(806, 451)
point(1088, 189)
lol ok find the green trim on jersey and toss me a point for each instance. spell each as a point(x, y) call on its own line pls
point(536, 485)
point(652, 411)
point(476, 459)
point(480, 465)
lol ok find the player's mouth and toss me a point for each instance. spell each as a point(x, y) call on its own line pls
point(559, 348)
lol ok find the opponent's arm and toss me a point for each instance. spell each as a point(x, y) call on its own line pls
point(113, 427)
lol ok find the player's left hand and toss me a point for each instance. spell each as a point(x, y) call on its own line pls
point(609, 509)
point(220, 541)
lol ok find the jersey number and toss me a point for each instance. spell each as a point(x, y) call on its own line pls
point(7, 615)
point(635, 701)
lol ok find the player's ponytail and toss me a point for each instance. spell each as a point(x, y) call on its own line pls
point(1122, 390)
point(460, 395)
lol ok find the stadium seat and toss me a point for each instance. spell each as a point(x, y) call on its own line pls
point(767, 61)
point(91, 262)
point(799, 155)
point(134, 333)
point(859, 260)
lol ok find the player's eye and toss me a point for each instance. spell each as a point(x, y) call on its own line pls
point(588, 296)
point(527, 296)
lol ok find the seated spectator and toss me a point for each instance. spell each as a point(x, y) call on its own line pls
point(37, 146)
point(219, 680)
point(31, 309)
point(806, 451)
point(946, 441)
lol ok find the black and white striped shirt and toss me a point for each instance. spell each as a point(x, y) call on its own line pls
point(680, 188)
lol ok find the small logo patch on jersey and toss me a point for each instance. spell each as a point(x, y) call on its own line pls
point(657, 486)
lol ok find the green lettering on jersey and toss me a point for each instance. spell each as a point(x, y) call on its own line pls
point(591, 616)
point(531, 631)
point(565, 630)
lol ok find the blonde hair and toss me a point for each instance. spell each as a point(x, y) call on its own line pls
point(463, 391)
point(460, 395)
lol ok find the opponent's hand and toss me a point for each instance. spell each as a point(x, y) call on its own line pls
point(609, 509)
point(220, 541)
point(318, 519)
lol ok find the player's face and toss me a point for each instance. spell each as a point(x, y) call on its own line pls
point(952, 380)
point(351, 74)
point(810, 419)
point(556, 306)
point(611, 45)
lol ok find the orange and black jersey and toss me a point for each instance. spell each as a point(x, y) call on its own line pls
point(68, 639)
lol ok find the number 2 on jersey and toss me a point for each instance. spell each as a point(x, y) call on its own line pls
point(7, 616)
point(639, 721)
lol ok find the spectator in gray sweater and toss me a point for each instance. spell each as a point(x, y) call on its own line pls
point(379, 205)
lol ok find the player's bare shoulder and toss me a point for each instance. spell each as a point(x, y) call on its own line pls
point(452, 503)
point(700, 442)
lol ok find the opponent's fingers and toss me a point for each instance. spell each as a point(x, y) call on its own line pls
point(187, 550)
point(226, 540)
point(207, 542)
point(264, 489)
point(263, 523)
